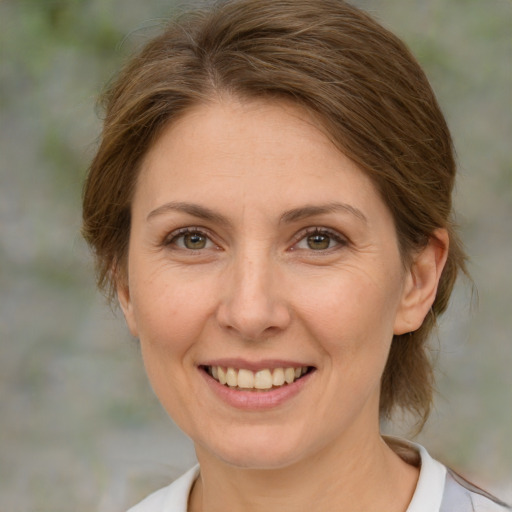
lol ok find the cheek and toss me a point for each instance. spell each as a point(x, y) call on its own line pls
point(172, 308)
point(351, 314)
point(171, 313)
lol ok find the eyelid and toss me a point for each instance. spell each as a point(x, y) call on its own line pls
point(177, 233)
point(340, 239)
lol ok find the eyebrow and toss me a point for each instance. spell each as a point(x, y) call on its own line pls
point(312, 210)
point(195, 210)
point(289, 216)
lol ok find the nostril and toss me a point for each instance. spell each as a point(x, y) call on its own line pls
point(253, 321)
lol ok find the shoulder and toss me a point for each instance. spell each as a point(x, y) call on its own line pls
point(173, 498)
point(439, 489)
point(459, 494)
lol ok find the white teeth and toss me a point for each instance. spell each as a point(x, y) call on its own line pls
point(246, 379)
point(289, 375)
point(232, 377)
point(278, 377)
point(262, 379)
point(222, 375)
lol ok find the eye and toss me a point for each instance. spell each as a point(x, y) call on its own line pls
point(320, 240)
point(190, 239)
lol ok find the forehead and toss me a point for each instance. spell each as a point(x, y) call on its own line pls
point(231, 128)
point(253, 143)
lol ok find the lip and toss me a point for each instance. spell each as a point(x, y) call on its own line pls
point(255, 400)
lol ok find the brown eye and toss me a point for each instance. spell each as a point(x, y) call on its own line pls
point(190, 240)
point(319, 241)
point(194, 241)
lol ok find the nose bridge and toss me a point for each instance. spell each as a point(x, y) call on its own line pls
point(253, 304)
point(253, 283)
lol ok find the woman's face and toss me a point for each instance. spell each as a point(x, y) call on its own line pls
point(259, 251)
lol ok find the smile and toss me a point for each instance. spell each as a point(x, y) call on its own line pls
point(261, 380)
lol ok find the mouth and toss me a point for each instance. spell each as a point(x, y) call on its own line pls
point(266, 379)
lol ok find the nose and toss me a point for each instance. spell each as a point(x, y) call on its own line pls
point(253, 303)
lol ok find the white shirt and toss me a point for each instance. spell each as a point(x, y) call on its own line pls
point(438, 488)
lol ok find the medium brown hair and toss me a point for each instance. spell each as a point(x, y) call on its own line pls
point(361, 83)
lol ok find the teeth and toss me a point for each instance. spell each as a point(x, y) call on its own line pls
point(289, 375)
point(232, 377)
point(246, 379)
point(222, 375)
point(278, 377)
point(262, 379)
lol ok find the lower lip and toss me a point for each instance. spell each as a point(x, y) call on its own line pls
point(256, 400)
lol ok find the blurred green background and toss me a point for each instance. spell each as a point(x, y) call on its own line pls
point(79, 428)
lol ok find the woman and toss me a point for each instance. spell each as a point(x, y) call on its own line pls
point(271, 205)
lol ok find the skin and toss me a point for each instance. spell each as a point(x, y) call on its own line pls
point(260, 290)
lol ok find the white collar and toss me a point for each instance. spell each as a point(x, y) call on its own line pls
point(176, 499)
point(427, 496)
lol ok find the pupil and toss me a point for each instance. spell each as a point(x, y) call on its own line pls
point(195, 241)
point(318, 242)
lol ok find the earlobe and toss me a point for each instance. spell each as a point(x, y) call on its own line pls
point(123, 296)
point(421, 283)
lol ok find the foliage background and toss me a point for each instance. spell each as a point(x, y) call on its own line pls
point(79, 428)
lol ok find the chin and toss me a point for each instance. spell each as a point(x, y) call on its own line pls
point(252, 453)
point(260, 461)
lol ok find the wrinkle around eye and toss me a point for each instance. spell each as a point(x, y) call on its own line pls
point(191, 238)
point(335, 241)
point(179, 238)
point(170, 246)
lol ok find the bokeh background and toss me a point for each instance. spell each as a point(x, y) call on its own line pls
point(80, 429)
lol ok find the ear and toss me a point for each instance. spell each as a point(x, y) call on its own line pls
point(421, 282)
point(124, 298)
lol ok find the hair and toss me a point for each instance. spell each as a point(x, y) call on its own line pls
point(358, 80)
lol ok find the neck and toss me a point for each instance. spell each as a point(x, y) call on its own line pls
point(357, 476)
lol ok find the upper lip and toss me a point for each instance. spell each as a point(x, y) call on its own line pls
point(254, 366)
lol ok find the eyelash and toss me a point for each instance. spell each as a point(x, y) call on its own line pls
point(172, 238)
point(339, 240)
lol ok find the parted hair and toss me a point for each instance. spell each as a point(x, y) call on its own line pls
point(356, 78)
